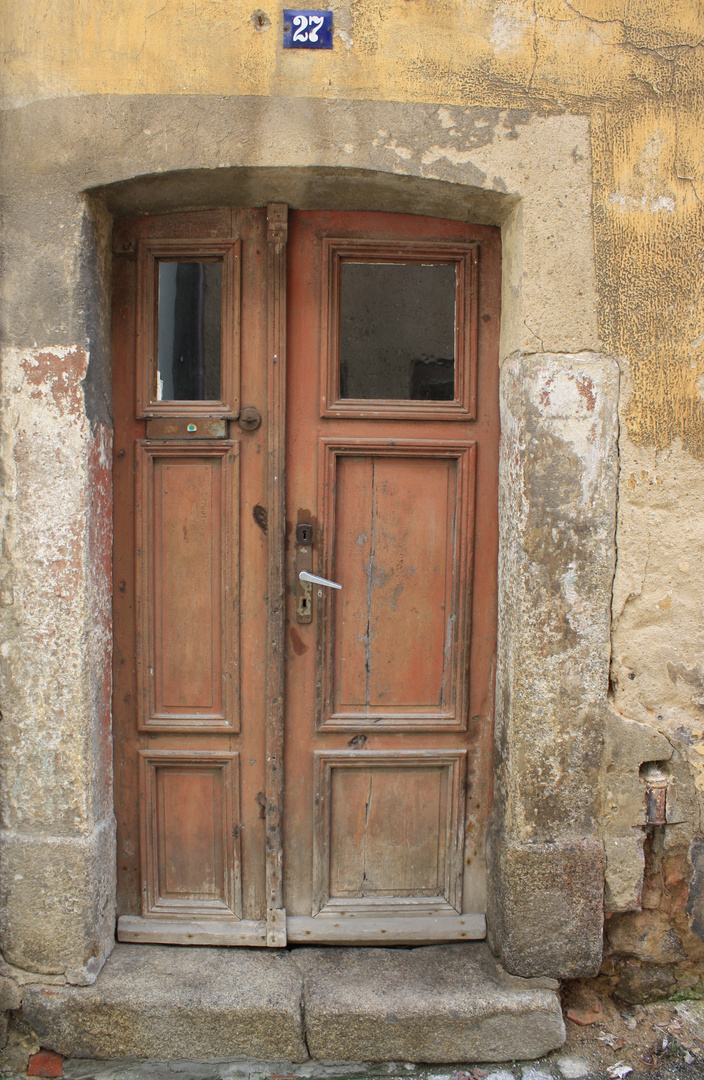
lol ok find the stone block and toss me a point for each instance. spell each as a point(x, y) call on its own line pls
point(60, 910)
point(647, 935)
point(10, 995)
point(557, 515)
point(623, 874)
point(573, 1067)
point(545, 912)
point(17, 1049)
point(435, 1004)
point(55, 759)
point(154, 1001)
point(642, 983)
point(695, 903)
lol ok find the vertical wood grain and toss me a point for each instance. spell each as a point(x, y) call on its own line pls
point(398, 529)
point(402, 495)
point(277, 232)
point(190, 833)
point(389, 831)
point(187, 539)
point(193, 838)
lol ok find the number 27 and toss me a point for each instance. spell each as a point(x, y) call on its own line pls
point(312, 23)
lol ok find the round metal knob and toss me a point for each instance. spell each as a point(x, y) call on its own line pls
point(249, 419)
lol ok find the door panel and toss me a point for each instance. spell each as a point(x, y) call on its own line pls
point(187, 567)
point(388, 834)
point(190, 834)
point(397, 647)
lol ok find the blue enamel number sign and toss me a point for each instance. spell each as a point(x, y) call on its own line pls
point(307, 29)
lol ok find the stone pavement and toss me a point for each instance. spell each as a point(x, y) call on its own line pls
point(573, 1069)
point(558, 1066)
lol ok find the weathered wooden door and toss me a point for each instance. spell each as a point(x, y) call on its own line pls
point(294, 761)
point(391, 453)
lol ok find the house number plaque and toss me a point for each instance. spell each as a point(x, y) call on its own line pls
point(307, 29)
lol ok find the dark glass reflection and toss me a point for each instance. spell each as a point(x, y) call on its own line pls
point(189, 331)
point(397, 331)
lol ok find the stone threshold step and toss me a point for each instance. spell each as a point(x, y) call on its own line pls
point(435, 1004)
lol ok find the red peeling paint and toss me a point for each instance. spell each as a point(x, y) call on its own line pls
point(545, 393)
point(100, 562)
point(61, 376)
point(585, 388)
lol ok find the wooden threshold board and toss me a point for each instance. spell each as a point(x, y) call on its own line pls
point(405, 930)
point(191, 931)
point(367, 930)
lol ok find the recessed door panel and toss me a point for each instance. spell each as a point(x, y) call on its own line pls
point(187, 552)
point(190, 838)
point(397, 634)
point(389, 831)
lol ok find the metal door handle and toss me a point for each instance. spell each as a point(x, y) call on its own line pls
point(315, 580)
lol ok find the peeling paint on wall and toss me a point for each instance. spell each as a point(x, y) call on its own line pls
point(56, 555)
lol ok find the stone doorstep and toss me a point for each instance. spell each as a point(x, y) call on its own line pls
point(435, 1004)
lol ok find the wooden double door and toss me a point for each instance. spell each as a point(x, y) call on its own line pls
point(317, 393)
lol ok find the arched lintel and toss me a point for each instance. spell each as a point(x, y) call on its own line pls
point(311, 188)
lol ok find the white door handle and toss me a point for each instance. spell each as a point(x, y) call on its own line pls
point(305, 576)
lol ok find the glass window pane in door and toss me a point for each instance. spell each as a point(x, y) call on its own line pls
point(397, 331)
point(189, 331)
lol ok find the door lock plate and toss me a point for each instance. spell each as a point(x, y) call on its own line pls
point(304, 561)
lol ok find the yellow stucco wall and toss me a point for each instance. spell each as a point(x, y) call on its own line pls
point(510, 52)
point(636, 67)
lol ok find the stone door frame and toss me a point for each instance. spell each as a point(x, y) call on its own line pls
point(557, 498)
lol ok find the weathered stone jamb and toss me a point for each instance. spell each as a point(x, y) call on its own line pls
point(557, 512)
point(81, 933)
point(94, 273)
point(57, 849)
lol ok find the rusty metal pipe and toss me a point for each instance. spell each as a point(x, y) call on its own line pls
point(656, 785)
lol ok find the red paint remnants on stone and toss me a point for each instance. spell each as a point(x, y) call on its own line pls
point(45, 1063)
point(585, 387)
point(61, 376)
point(545, 393)
point(100, 563)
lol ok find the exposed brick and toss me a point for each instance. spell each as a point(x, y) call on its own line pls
point(45, 1063)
